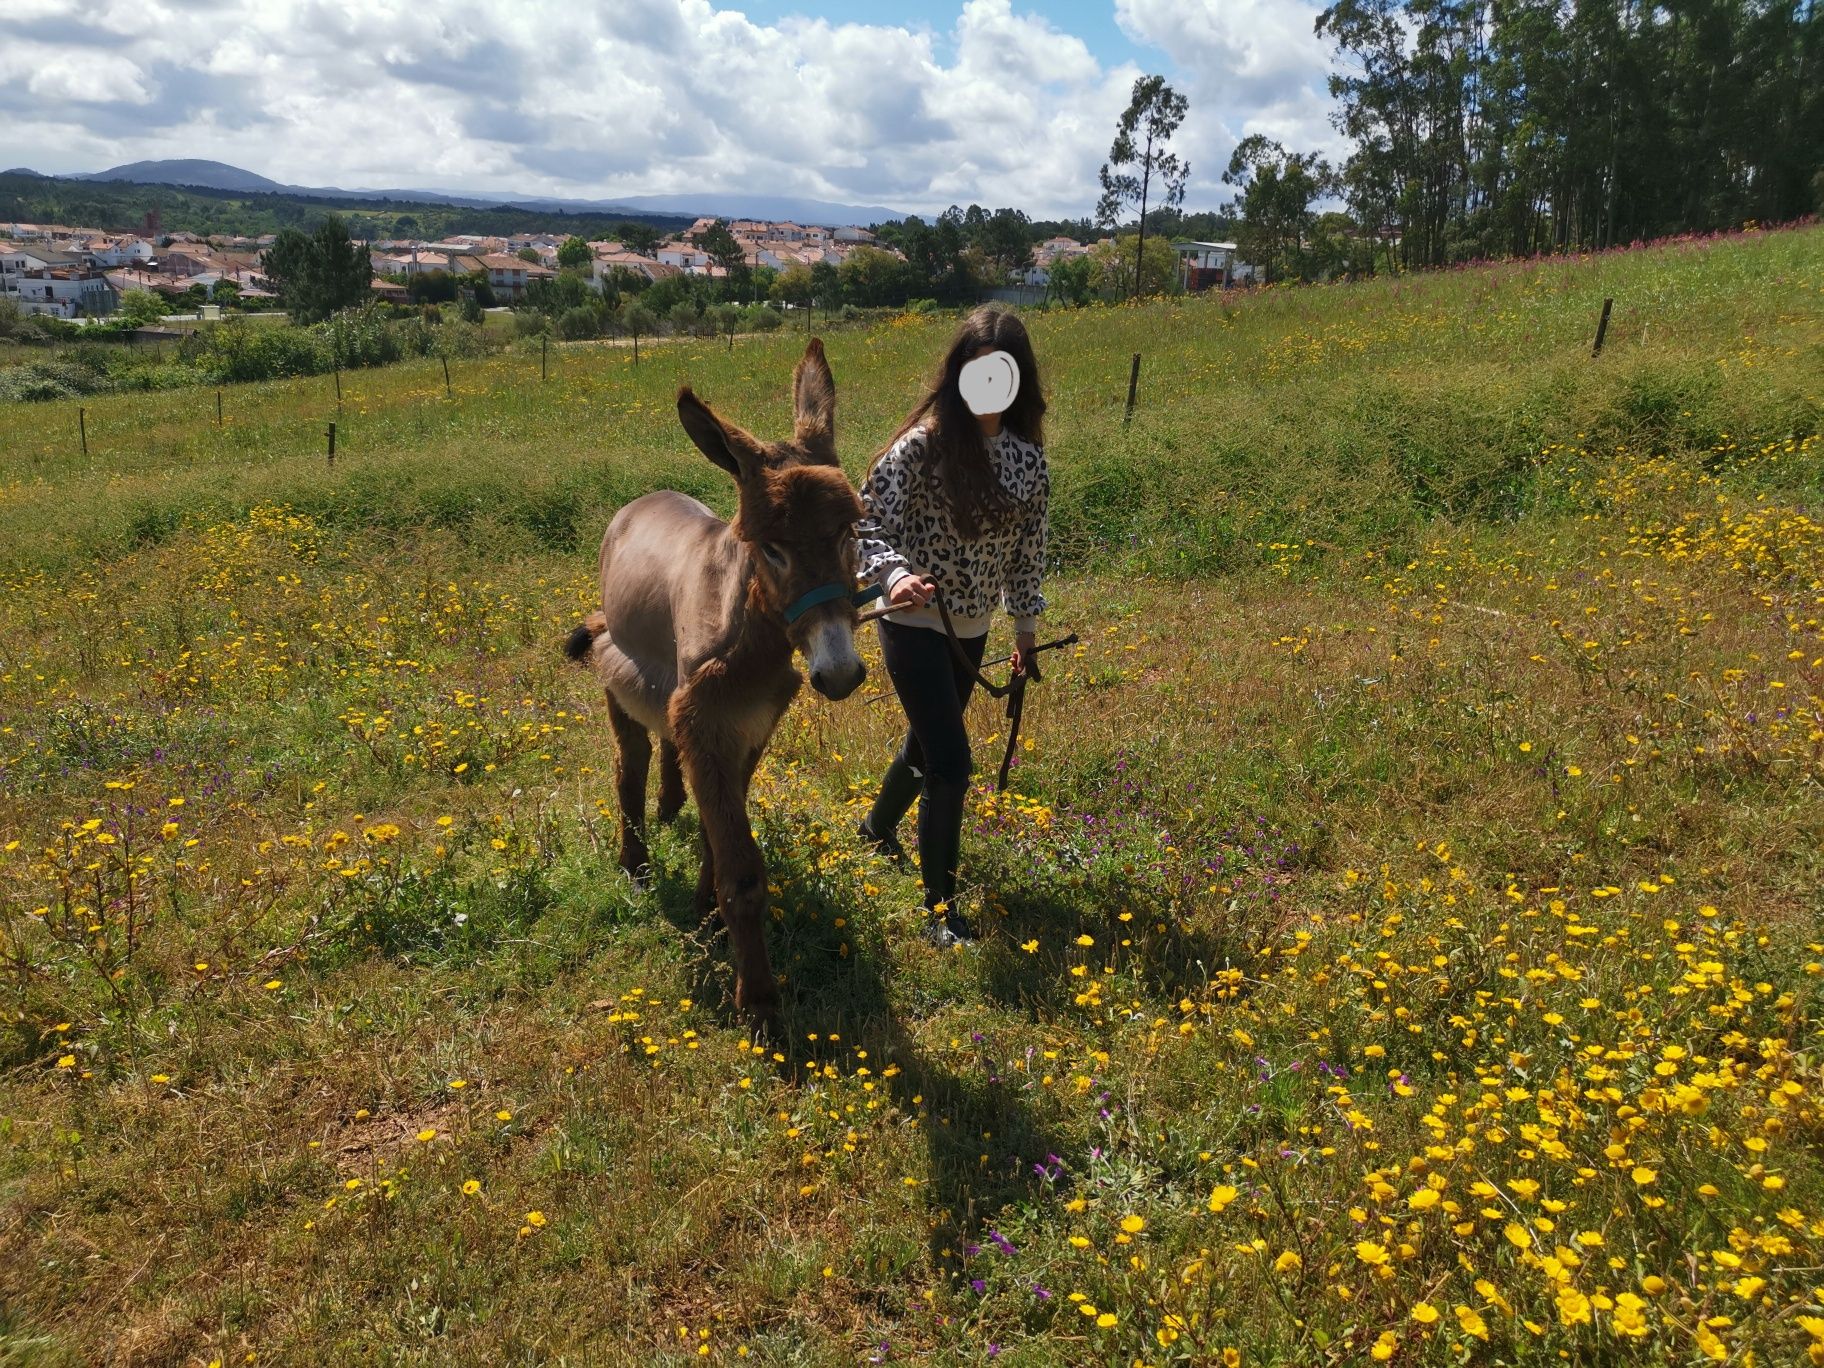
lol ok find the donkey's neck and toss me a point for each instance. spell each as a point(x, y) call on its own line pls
point(750, 630)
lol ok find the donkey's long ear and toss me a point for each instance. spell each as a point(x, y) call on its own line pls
point(814, 406)
point(724, 443)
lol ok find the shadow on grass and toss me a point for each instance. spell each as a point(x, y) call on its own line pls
point(987, 1147)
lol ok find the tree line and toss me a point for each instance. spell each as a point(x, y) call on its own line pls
point(1484, 129)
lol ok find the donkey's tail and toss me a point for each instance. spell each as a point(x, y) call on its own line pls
point(583, 637)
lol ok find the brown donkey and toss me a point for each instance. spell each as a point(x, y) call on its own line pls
point(695, 637)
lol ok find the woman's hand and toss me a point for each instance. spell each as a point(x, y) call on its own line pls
point(911, 591)
point(1022, 651)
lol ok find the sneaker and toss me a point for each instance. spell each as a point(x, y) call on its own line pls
point(887, 847)
point(950, 930)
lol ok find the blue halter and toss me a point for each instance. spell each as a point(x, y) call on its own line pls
point(828, 593)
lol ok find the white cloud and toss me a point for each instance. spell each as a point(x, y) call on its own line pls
point(1246, 66)
point(641, 96)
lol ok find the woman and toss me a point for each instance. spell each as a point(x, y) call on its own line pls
point(955, 505)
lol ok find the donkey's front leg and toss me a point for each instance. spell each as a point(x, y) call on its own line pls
point(719, 783)
point(633, 756)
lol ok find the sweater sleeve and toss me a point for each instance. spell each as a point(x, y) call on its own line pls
point(1021, 595)
point(879, 534)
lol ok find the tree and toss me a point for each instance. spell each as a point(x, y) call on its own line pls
point(826, 286)
point(575, 253)
point(529, 255)
point(637, 237)
point(637, 321)
point(1070, 280)
point(873, 277)
point(719, 244)
point(138, 308)
point(226, 293)
point(1153, 115)
point(318, 275)
point(1274, 204)
point(793, 286)
point(1112, 266)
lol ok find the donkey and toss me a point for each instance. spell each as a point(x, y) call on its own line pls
point(695, 636)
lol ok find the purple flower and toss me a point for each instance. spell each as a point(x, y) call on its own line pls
point(1043, 1294)
point(1002, 1243)
point(979, 1286)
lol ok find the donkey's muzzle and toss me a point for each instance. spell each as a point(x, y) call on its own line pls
point(835, 665)
point(837, 683)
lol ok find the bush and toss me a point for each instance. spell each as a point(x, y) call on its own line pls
point(530, 323)
point(578, 323)
point(39, 381)
point(760, 318)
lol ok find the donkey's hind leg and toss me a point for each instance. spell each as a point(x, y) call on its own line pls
point(633, 757)
point(671, 783)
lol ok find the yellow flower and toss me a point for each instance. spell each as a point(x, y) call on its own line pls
point(1424, 1312)
point(1133, 1225)
point(1370, 1253)
point(1222, 1196)
point(535, 1219)
point(1384, 1346)
point(67, 1062)
point(1423, 1198)
point(428, 1134)
point(1107, 1320)
point(1644, 1175)
point(1472, 1323)
point(470, 1188)
point(1518, 1235)
point(1288, 1262)
point(1652, 1284)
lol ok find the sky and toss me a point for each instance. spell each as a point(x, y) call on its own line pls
point(911, 104)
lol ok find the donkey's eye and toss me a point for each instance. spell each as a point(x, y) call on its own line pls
point(774, 556)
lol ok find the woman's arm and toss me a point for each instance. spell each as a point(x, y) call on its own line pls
point(1022, 595)
point(885, 496)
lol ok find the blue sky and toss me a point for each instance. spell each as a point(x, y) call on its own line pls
point(913, 105)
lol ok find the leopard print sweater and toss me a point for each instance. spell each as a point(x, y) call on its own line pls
point(908, 530)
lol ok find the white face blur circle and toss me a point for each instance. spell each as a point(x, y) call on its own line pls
point(990, 383)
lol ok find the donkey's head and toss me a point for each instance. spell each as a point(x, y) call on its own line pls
point(797, 517)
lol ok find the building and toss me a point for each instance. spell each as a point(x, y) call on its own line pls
point(1206, 265)
point(508, 276)
point(62, 292)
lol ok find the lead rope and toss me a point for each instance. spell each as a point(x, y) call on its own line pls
point(1014, 690)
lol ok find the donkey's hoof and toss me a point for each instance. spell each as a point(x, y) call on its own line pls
point(639, 873)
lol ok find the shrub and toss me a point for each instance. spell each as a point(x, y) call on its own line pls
point(578, 323)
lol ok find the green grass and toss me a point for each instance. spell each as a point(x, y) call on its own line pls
point(1433, 800)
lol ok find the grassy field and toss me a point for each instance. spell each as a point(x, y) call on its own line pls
point(1402, 942)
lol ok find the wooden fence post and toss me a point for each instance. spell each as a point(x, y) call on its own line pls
point(332, 444)
point(1602, 327)
point(544, 346)
point(446, 379)
point(1133, 386)
point(82, 429)
point(218, 408)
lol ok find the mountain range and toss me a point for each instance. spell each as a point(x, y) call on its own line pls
point(213, 175)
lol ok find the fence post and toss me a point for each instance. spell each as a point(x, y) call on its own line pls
point(1133, 386)
point(338, 387)
point(82, 428)
point(1602, 327)
point(544, 346)
point(218, 408)
point(332, 444)
point(446, 379)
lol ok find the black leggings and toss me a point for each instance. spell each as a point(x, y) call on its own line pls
point(934, 762)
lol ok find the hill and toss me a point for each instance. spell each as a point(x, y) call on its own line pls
point(1400, 942)
point(210, 175)
point(219, 176)
point(123, 205)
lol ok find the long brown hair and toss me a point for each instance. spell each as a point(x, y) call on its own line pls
point(956, 453)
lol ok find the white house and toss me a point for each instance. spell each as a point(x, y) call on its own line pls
point(122, 251)
point(69, 292)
